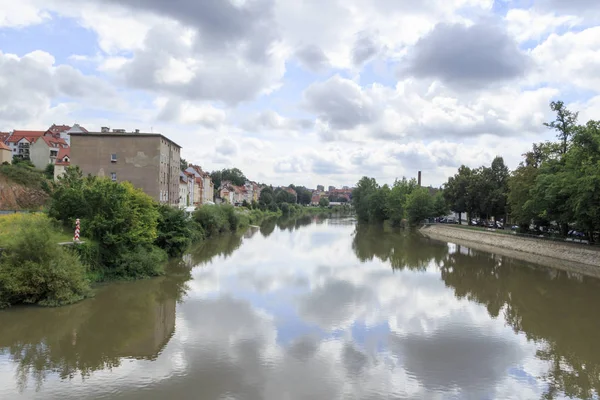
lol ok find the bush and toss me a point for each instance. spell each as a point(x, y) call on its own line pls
point(231, 216)
point(212, 219)
point(174, 230)
point(34, 269)
point(141, 262)
point(285, 208)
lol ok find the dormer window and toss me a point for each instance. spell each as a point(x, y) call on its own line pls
point(113, 157)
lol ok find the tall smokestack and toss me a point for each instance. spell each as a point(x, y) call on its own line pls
point(419, 179)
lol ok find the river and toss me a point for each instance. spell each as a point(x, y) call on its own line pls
point(316, 309)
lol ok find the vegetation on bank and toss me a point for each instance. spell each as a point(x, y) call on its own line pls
point(555, 188)
point(127, 235)
point(34, 269)
point(405, 203)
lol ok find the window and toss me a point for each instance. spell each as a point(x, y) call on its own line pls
point(113, 157)
point(113, 176)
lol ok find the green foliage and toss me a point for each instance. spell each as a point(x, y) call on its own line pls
point(254, 205)
point(324, 202)
point(183, 164)
point(234, 175)
point(24, 173)
point(285, 208)
point(281, 196)
point(360, 197)
point(396, 201)
point(121, 218)
point(34, 269)
point(175, 232)
point(212, 219)
point(418, 206)
point(49, 171)
point(304, 195)
point(266, 196)
point(140, 262)
point(439, 205)
point(378, 202)
point(245, 204)
point(565, 123)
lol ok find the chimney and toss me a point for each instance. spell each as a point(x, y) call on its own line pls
point(419, 179)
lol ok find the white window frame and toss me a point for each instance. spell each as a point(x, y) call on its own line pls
point(113, 176)
point(113, 157)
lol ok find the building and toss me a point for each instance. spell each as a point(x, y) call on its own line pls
point(20, 141)
point(320, 188)
point(191, 183)
point(45, 150)
point(150, 161)
point(5, 154)
point(331, 188)
point(63, 160)
point(208, 193)
point(315, 199)
point(184, 195)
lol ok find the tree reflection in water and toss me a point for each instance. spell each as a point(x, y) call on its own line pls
point(128, 320)
point(551, 307)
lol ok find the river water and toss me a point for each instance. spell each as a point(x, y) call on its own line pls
point(316, 309)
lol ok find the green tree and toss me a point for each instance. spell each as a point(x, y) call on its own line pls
point(174, 230)
point(266, 196)
point(233, 175)
point(121, 218)
point(324, 202)
point(183, 164)
point(418, 206)
point(564, 124)
point(378, 202)
point(360, 197)
point(49, 171)
point(439, 205)
point(396, 207)
point(456, 192)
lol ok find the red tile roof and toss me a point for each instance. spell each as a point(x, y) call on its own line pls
point(62, 163)
point(4, 136)
point(4, 147)
point(54, 142)
point(58, 128)
point(63, 152)
point(31, 136)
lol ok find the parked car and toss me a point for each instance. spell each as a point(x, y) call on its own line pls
point(451, 220)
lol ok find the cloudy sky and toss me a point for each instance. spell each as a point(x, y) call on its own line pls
point(307, 92)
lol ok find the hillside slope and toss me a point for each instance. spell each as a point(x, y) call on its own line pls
point(23, 193)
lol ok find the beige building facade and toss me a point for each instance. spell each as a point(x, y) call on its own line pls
point(5, 154)
point(150, 161)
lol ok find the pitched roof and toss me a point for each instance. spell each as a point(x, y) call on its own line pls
point(54, 142)
point(31, 136)
point(63, 152)
point(62, 163)
point(58, 128)
point(4, 147)
point(4, 136)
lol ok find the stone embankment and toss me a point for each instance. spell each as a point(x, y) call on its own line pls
point(567, 256)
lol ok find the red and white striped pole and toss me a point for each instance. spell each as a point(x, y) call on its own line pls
point(77, 230)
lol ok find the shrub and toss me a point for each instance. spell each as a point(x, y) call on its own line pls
point(174, 230)
point(141, 262)
point(34, 269)
point(212, 219)
point(232, 217)
point(285, 208)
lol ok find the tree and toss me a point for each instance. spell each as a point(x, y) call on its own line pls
point(49, 171)
point(266, 196)
point(360, 197)
point(564, 124)
point(174, 233)
point(396, 207)
point(183, 164)
point(324, 202)
point(282, 196)
point(378, 202)
point(418, 206)
point(456, 191)
point(439, 205)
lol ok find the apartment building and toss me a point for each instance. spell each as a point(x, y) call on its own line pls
point(150, 161)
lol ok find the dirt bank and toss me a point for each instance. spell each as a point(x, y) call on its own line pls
point(566, 256)
point(14, 196)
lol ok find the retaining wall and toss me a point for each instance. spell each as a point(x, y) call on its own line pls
point(572, 257)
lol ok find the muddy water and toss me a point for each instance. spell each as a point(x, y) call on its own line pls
point(314, 309)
